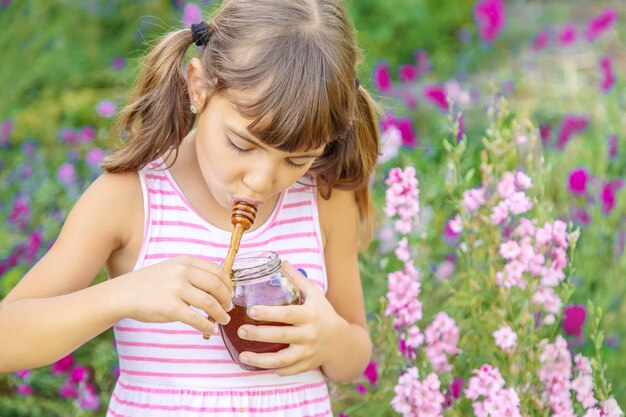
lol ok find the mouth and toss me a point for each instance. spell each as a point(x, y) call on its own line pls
point(248, 200)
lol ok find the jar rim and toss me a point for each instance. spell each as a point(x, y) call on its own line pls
point(251, 265)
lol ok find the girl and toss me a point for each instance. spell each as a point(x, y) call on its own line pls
point(280, 122)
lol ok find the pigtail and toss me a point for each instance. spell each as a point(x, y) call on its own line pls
point(349, 161)
point(158, 116)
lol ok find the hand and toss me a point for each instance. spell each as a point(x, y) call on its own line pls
point(315, 325)
point(165, 292)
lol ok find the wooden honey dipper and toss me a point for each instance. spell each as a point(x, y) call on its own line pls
point(242, 217)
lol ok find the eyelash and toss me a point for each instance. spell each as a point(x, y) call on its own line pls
point(239, 150)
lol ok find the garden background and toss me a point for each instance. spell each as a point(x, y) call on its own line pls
point(510, 114)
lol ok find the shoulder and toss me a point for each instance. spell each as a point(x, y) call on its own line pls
point(339, 216)
point(112, 202)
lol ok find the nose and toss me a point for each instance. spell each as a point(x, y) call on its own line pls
point(259, 178)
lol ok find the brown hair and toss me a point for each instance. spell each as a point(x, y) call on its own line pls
point(296, 60)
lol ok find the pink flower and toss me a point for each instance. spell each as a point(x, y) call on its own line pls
point(24, 374)
point(442, 337)
point(404, 125)
point(506, 185)
point(402, 251)
point(66, 173)
point(473, 199)
point(456, 224)
point(25, 390)
point(608, 75)
point(510, 249)
point(191, 14)
point(422, 62)
point(490, 19)
point(382, 77)
point(94, 157)
point(79, 374)
point(573, 319)
point(500, 212)
point(402, 198)
point(506, 338)
point(542, 40)
point(407, 73)
point(62, 365)
point(577, 183)
point(555, 375)
point(545, 131)
point(68, 390)
point(607, 195)
point(371, 373)
point(610, 408)
point(570, 126)
point(106, 108)
point(581, 216)
point(88, 399)
point(522, 181)
point(600, 23)
point(518, 203)
point(485, 383)
point(444, 270)
point(360, 388)
point(436, 95)
point(567, 35)
point(415, 398)
point(612, 147)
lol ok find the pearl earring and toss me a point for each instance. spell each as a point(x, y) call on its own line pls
point(193, 109)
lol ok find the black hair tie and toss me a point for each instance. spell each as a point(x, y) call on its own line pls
point(200, 33)
point(357, 83)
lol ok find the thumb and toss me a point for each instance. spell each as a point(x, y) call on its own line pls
point(298, 278)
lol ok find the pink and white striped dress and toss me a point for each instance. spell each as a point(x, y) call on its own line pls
point(168, 369)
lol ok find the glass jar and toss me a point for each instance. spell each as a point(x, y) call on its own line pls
point(257, 280)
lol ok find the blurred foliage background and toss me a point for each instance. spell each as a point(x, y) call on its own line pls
point(68, 66)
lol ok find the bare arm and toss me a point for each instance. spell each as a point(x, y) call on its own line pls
point(352, 350)
point(51, 311)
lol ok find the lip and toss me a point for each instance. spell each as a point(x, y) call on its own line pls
point(249, 200)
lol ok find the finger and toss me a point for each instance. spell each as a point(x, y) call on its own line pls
point(208, 283)
point(291, 314)
point(299, 279)
point(281, 359)
point(275, 334)
point(206, 302)
point(192, 318)
point(213, 268)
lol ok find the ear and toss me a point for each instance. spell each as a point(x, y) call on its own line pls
point(196, 83)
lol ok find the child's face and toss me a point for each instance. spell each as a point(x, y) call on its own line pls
point(235, 165)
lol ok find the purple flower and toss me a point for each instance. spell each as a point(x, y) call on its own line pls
point(600, 23)
point(118, 63)
point(620, 242)
point(68, 136)
point(106, 108)
point(545, 131)
point(62, 365)
point(464, 35)
point(35, 239)
point(6, 128)
point(404, 125)
point(436, 95)
point(570, 126)
point(490, 19)
point(88, 399)
point(25, 390)
point(94, 157)
point(573, 319)
point(542, 40)
point(612, 147)
point(66, 173)
point(20, 213)
point(371, 373)
point(581, 216)
point(577, 183)
point(68, 390)
point(343, 415)
point(407, 73)
point(191, 14)
point(608, 75)
point(24, 374)
point(382, 77)
point(457, 387)
point(461, 132)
